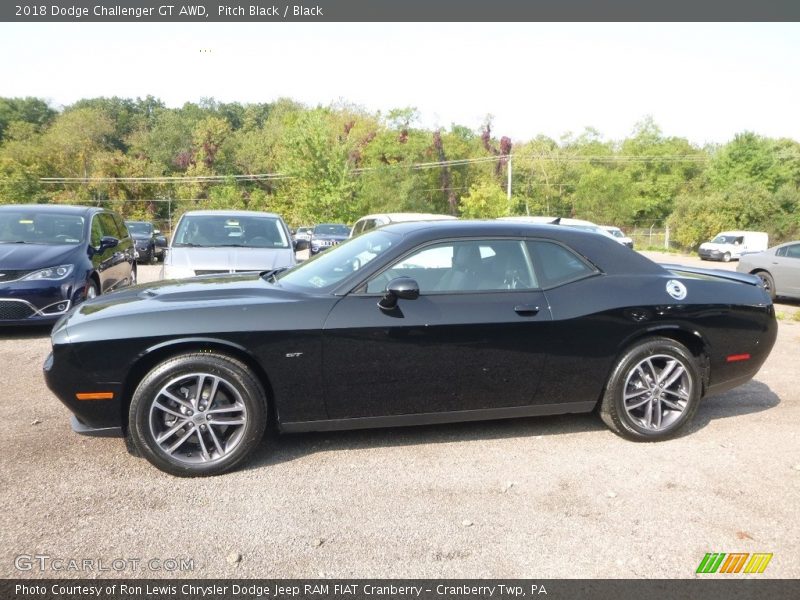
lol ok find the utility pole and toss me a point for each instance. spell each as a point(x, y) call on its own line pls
point(508, 188)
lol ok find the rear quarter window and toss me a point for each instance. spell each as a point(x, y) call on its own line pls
point(556, 265)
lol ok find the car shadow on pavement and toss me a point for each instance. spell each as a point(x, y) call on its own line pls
point(752, 397)
point(278, 448)
point(25, 333)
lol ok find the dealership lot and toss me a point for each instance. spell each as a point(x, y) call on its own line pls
point(546, 497)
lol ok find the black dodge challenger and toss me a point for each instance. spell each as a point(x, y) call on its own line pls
point(413, 323)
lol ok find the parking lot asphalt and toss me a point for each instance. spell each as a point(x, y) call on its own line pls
point(544, 498)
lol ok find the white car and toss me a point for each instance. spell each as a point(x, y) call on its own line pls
point(207, 242)
point(731, 245)
point(379, 220)
point(619, 235)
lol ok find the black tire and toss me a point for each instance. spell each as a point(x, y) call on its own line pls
point(631, 420)
point(223, 443)
point(769, 283)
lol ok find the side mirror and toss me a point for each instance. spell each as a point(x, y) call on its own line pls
point(402, 287)
point(107, 242)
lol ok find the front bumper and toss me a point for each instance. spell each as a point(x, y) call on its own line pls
point(66, 377)
point(711, 254)
point(36, 303)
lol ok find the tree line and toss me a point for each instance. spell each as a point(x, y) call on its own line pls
point(337, 163)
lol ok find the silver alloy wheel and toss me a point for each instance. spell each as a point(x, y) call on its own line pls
point(197, 418)
point(91, 291)
point(657, 391)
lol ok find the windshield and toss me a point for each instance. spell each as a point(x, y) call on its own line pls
point(332, 229)
point(139, 228)
point(210, 231)
point(615, 233)
point(330, 267)
point(40, 228)
point(726, 239)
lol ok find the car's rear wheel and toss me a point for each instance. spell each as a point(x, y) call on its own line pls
point(769, 283)
point(653, 392)
point(198, 414)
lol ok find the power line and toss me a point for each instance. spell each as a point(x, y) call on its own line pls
point(620, 159)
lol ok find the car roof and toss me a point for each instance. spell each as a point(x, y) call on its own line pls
point(542, 219)
point(408, 216)
point(62, 209)
point(230, 213)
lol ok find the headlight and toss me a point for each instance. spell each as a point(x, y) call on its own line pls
point(50, 274)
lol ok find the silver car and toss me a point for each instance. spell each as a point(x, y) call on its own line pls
point(778, 268)
point(227, 241)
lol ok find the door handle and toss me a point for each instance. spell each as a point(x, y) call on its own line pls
point(526, 310)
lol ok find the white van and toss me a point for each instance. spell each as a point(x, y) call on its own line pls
point(730, 245)
point(379, 220)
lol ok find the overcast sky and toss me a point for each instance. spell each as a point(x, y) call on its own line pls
point(705, 82)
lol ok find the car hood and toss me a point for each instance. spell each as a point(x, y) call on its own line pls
point(714, 246)
point(197, 304)
point(231, 259)
point(34, 256)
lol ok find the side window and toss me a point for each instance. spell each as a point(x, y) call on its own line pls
point(793, 251)
point(463, 266)
point(121, 227)
point(554, 264)
point(108, 225)
point(97, 231)
point(781, 251)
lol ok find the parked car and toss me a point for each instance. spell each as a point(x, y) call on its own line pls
point(412, 323)
point(302, 238)
point(379, 220)
point(303, 233)
point(144, 237)
point(730, 245)
point(778, 268)
point(619, 235)
point(53, 257)
point(161, 245)
point(227, 241)
point(328, 234)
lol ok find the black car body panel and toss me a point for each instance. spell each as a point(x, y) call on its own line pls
point(330, 358)
point(25, 301)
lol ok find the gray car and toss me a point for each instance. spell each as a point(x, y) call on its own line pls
point(778, 268)
point(228, 241)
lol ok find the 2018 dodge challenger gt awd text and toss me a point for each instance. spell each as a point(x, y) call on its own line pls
point(411, 323)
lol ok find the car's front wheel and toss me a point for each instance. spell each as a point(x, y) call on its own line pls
point(653, 392)
point(198, 414)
